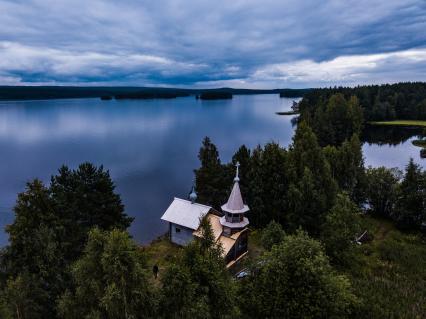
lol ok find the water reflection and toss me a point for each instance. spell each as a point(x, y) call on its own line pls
point(150, 147)
point(381, 134)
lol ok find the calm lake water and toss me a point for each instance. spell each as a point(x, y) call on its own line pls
point(149, 146)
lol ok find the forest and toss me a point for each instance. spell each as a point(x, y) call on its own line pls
point(70, 254)
point(402, 101)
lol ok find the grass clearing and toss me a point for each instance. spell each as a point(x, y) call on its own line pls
point(389, 273)
point(401, 123)
point(160, 252)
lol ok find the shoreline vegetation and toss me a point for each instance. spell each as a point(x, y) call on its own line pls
point(419, 143)
point(287, 113)
point(11, 93)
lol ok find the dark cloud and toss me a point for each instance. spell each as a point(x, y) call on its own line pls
point(247, 43)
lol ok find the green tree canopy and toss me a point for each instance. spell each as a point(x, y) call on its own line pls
point(410, 210)
point(337, 119)
point(85, 198)
point(268, 183)
point(51, 226)
point(272, 234)
point(211, 176)
point(312, 190)
point(34, 258)
point(382, 190)
point(207, 289)
point(347, 167)
point(340, 229)
point(110, 280)
point(295, 280)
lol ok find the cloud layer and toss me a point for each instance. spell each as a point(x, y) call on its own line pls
point(241, 43)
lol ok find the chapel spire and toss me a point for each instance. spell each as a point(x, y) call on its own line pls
point(234, 208)
point(237, 177)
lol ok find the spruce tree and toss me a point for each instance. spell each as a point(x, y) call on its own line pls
point(410, 210)
point(211, 176)
point(312, 189)
point(34, 259)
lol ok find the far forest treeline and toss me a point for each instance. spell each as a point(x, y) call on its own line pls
point(335, 114)
point(69, 92)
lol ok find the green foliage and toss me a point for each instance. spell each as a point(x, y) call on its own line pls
point(211, 176)
point(268, 183)
point(109, 280)
point(23, 298)
point(272, 234)
point(312, 189)
point(295, 280)
point(340, 230)
point(337, 120)
point(382, 190)
point(207, 291)
point(180, 298)
point(385, 102)
point(264, 166)
point(347, 167)
point(34, 258)
point(410, 210)
point(85, 198)
point(51, 226)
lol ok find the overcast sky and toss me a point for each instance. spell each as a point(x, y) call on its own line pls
point(196, 43)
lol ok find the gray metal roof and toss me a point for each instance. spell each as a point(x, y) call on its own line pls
point(183, 212)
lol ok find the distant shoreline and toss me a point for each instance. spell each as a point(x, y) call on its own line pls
point(17, 93)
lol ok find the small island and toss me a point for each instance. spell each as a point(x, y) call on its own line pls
point(215, 96)
point(148, 95)
point(294, 110)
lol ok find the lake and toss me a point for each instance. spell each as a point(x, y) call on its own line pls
point(149, 146)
